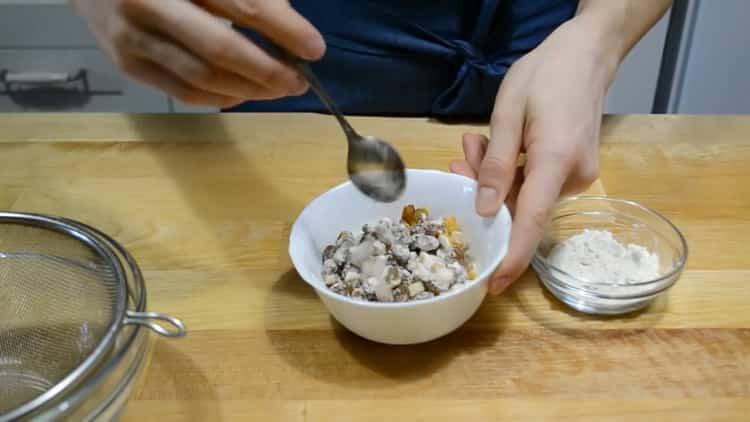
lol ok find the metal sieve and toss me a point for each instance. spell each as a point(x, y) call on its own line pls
point(63, 300)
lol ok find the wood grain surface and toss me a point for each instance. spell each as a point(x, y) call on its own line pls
point(205, 204)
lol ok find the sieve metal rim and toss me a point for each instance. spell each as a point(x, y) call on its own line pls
point(106, 247)
point(88, 386)
point(139, 317)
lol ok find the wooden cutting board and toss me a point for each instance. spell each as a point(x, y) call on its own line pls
point(205, 204)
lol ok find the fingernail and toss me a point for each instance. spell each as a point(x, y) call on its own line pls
point(486, 199)
point(315, 48)
point(301, 90)
point(498, 284)
point(300, 87)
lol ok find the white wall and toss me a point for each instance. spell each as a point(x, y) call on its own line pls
point(713, 73)
point(635, 86)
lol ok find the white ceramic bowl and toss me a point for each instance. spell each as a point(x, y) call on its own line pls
point(345, 208)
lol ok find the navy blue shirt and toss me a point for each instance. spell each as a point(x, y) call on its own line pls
point(440, 58)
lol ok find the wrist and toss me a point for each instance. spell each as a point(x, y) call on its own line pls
point(600, 37)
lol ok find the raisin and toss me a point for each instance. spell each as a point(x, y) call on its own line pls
point(409, 215)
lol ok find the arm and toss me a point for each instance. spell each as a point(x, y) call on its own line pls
point(616, 26)
point(550, 106)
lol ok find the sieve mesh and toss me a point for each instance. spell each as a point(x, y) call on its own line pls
point(59, 298)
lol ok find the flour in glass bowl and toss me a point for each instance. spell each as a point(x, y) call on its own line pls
point(598, 258)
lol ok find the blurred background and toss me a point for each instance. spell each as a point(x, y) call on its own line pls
point(696, 60)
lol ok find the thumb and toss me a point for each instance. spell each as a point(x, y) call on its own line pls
point(498, 167)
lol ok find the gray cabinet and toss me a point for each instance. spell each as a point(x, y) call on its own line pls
point(49, 23)
point(70, 80)
point(50, 62)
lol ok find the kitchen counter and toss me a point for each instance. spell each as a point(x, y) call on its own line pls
point(205, 204)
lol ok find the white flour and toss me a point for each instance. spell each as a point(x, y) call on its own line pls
point(597, 257)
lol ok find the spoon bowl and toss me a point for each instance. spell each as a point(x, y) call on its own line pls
point(374, 166)
point(376, 169)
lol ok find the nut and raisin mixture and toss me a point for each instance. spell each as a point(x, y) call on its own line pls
point(416, 258)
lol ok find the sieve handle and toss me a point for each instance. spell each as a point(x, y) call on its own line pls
point(148, 319)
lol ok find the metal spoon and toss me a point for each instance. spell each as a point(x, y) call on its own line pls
point(374, 166)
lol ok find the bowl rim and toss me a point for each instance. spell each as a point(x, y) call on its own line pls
point(480, 278)
point(676, 269)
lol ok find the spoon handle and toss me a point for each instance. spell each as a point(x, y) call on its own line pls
point(303, 68)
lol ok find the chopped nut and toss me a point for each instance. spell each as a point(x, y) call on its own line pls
point(443, 278)
point(406, 275)
point(331, 279)
point(358, 293)
point(330, 266)
point(401, 253)
point(369, 285)
point(345, 238)
point(328, 252)
point(416, 258)
point(424, 295)
point(422, 266)
point(430, 287)
point(359, 253)
point(378, 247)
point(459, 271)
point(341, 255)
point(352, 277)
point(374, 266)
point(383, 292)
point(460, 255)
point(383, 230)
point(400, 296)
point(392, 276)
point(400, 233)
point(445, 243)
point(338, 287)
point(433, 227)
point(416, 288)
point(426, 243)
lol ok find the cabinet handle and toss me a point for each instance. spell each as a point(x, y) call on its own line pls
point(38, 78)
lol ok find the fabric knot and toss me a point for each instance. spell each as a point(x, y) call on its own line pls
point(470, 53)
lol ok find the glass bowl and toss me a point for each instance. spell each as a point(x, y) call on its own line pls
point(104, 394)
point(629, 223)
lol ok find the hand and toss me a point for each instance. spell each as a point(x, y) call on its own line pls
point(549, 106)
point(183, 48)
